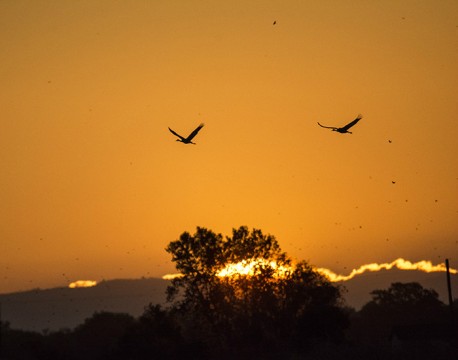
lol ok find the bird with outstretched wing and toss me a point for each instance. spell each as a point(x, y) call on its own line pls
point(187, 140)
point(344, 129)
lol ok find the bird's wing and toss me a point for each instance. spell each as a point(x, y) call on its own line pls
point(174, 133)
point(194, 133)
point(349, 125)
point(327, 127)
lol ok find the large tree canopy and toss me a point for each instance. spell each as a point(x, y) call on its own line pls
point(275, 300)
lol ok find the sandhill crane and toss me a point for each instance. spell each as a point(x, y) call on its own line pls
point(188, 139)
point(344, 129)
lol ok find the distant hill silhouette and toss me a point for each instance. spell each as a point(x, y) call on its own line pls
point(58, 308)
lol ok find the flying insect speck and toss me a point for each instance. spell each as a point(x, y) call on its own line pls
point(188, 139)
point(344, 129)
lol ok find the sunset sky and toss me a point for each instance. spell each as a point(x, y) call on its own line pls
point(94, 186)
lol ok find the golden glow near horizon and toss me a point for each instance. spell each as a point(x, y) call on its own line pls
point(248, 267)
point(89, 88)
point(82, 284)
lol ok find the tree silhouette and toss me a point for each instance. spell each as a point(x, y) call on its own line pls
point(400, 305)
point(156, 334)
point(406, 303)
point(265, 311)
point(98, 336)
point(20, 344)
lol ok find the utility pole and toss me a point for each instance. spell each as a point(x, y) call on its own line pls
point(449, 287)
point(1, 329)
point(453, 322)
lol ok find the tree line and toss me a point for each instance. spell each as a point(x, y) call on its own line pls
point(295, 314)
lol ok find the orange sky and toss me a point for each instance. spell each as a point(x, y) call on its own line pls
point(93, 186)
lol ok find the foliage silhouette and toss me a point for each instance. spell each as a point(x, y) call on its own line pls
point(157, 332)
point(98, 336)
point(297, 314)
point(172, 333)
point(260, 313)
point(19, 344)
point(402, 304)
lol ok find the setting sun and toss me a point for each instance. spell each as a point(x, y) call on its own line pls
point(246, 267)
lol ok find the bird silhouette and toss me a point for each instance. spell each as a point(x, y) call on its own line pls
point(344, 129)
point(188, 139)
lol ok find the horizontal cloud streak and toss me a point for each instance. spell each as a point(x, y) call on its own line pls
point(423, 265)
point(82, 283)
point(246, 268)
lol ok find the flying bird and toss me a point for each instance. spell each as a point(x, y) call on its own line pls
point(187, 140)
point(343, 129)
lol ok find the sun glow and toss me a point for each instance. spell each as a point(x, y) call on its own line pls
point(248, 268)
point(244, 267)
point(82, 284)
